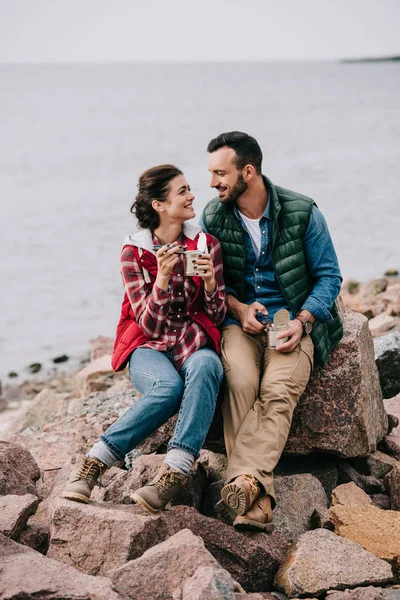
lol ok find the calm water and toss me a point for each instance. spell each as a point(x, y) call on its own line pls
point(74, 139)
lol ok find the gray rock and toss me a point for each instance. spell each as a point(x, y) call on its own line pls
point(387, 358)
point(18, 470)
point(178, 567)
point(15, 512)
point(251, 558)
point(36, 536)
point(26, 574)
point(379, 464)
point(342, 410)
point(298, 496)
point(99, 537)
point(320, 561)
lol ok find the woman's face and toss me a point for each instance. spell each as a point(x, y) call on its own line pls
point(178, 205)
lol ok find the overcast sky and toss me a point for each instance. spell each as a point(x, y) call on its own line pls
point(204, 30)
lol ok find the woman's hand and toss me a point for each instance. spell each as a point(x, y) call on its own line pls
point(205, 270)
point(166, 260)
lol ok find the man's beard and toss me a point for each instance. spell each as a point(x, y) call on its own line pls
point(238, 189)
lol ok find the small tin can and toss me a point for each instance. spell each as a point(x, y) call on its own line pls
point(190, 257)
point(281, 320)
point(272, 333)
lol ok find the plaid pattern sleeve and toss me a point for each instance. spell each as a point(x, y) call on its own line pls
point(150, 306)
point(215, 303)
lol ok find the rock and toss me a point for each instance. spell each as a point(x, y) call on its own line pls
point(321, 519)
point(97, 538)
point(214, 464)
point(100, 346)
point(378, 531)
point(382, 323)
point(163, 571)
point(382, 501)
point(36, 536)
point(143, 470)
point(349, 494)
point(324, 468)
point(320, 561)
point(387, 358)
point(60, 359)
point(366, 593)
point(251, 558)
point(97, 376)
point(370, 485)
point(346, 393)
point(43, 407)
point(34, 367)
point(18, 470)
point(394, 422)
point(26, 574)
point(14, 513)
point(379, 464)
point(297, 496)
point(209, 583)
point(393, 484)
point(392, 406)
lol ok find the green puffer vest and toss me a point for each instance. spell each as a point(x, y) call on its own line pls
point(290, 213)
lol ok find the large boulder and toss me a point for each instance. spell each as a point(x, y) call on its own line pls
point(251, 558)
point(18, 470)
point(99, 537)
point(387, 357)
point(378, 531)
point(26, 574)
point(165, 571)
point(342, 410)
point(14, 513)
point(320, 561)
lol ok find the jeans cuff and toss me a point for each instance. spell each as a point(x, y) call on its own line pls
point(189, 449)
point(113, 448)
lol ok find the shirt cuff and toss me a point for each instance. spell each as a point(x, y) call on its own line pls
point(160, 296)
point(230, 291)
point(317, 309)
point(209, 297)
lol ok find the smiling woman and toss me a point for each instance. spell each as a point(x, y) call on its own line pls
point(168, 335)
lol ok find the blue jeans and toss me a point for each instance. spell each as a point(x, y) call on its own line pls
point(193, 391)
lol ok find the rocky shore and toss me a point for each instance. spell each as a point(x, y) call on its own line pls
point(337, 521)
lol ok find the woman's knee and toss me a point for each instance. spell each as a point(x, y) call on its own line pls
point(205, 363)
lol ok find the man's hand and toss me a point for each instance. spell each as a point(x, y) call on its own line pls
point(247, 314)
point(294, 332)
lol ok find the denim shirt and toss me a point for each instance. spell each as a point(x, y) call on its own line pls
point(261, 284)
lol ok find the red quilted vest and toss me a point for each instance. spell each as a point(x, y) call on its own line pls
point(129, 335)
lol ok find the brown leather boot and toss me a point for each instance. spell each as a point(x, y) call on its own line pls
point(258, 517)
point(165, 487)
point(239, 494)
point(83, 478)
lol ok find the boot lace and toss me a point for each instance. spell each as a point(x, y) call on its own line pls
point(253, 484)
point(168, 480)
point(91, 471)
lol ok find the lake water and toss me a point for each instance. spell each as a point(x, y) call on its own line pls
point(75, 138)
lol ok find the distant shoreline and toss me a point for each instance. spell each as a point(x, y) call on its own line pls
point(368, 60)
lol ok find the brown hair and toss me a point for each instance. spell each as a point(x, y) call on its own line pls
point(153, 185)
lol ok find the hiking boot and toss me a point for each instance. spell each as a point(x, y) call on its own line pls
point(258, 517)
point(240, 494)
point(83, 478)
point(165, 487)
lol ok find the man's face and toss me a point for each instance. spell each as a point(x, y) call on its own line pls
point(225, 177)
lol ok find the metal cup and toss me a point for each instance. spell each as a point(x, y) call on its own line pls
point(272, 333)
point(189, 258)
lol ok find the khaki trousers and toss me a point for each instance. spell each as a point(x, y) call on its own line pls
point(261, 390)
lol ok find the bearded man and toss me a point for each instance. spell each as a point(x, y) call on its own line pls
point(277, 254)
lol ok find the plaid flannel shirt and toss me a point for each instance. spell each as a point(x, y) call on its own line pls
point(163, 315)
